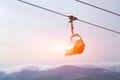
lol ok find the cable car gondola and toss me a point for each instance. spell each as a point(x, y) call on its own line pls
point(77, 46)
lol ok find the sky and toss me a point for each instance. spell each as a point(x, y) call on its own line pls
point(29, 35)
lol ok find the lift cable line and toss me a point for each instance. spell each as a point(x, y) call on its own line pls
point(99, 26)
point(74, 18)
point(98, 7)
point(42, 8)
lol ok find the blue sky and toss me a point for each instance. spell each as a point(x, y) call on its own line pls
point(28, 34)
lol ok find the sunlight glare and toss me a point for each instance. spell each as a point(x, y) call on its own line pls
point(59, 47)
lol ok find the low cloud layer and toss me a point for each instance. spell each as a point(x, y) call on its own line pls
point(102, 71)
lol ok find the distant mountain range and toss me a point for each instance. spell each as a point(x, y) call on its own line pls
point(65, 72)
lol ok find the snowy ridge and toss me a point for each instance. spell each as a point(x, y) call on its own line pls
point(91, 71)
point(114, 66)
point(31, 67)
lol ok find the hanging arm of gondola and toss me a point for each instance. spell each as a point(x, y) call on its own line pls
point(72, 18)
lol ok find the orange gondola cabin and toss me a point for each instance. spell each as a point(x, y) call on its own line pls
point(76, 47)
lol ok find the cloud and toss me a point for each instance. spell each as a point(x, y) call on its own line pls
point(91, 71)
point(114, 66)
point(32, 67)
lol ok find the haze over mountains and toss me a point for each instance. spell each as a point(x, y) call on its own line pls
point(104, 71)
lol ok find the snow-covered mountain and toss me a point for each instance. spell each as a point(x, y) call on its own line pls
point(103, 71)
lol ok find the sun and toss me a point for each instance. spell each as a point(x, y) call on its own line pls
point(59, 48)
